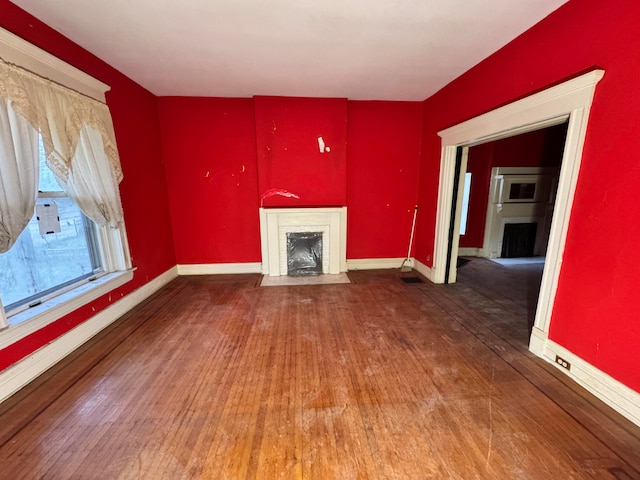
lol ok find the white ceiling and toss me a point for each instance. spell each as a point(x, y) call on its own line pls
point(358, 49)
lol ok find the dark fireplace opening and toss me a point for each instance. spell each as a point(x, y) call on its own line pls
point(519, 240)
point(304, 253)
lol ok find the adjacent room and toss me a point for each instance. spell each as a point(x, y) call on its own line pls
point(340, 240)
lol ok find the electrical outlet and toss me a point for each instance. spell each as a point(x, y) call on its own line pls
point(563, 363)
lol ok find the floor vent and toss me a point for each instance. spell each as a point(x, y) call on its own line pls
point(411, 279)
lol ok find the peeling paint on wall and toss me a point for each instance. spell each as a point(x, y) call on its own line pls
point(280, 192)
point(288, 153)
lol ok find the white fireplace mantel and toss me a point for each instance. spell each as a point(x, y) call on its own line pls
point(275, 223)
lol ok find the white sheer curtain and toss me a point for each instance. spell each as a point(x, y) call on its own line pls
point(92, 183)
point(79, 141)
point(19, 173)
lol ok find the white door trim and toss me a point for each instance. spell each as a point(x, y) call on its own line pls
point(569, 100)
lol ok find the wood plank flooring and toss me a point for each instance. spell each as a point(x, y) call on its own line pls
point(218, 378)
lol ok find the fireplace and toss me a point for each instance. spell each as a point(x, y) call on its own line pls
point(519, 240)
point(327, 223)
point(304, 253)
point(519, 211)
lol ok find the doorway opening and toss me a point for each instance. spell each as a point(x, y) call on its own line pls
point(512, 194)
point(509, 211)
point(567, 102)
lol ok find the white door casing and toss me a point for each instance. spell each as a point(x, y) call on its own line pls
point(569, 100)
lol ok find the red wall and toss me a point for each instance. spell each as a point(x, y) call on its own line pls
point(213, 164)
point(143, 190)
point(383, 156)
point(289, 159)
point(541, 148)
point(595, 313)
point(210, 154)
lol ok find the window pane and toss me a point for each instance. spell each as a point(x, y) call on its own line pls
point(522, 191)
point(48, 182)
point(38, 263)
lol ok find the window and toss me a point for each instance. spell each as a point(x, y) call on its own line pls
point(40, 265)
point(46, 273)
point(466, 193)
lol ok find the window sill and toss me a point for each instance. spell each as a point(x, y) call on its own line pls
point(29, 321)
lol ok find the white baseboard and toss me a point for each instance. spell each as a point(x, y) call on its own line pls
point(423, 269)
point(226, 268)
point(376, 263)
point(618, 396)
point(219, 268)
point(470, 252)
point(20, 374)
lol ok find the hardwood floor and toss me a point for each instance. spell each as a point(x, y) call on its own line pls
point(217, 378)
